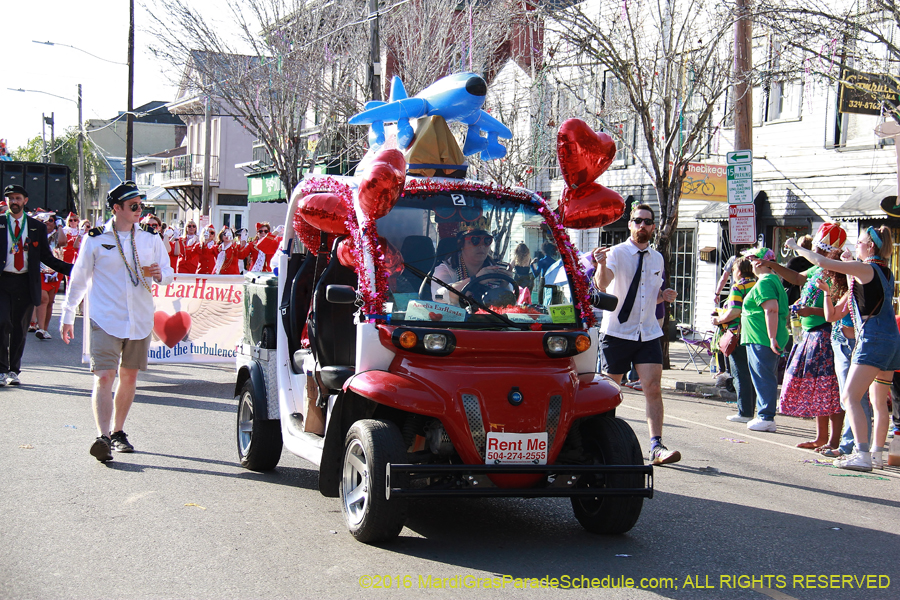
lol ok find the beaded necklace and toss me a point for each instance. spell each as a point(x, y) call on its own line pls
point(461, 271)
point(855, 315)
point(10, 221)
point(136, 275)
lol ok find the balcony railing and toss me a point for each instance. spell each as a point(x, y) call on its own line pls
point(188, 168)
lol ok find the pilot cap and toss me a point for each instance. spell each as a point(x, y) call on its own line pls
point(122, 192)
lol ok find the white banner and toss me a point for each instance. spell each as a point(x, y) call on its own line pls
point(197, 319)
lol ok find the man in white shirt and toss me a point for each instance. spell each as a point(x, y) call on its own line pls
point(118, 264)
point(631, 333)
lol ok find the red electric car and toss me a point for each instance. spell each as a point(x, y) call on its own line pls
point(395, 392)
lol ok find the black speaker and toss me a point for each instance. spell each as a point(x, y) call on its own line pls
point(36, 184)
point(58, 189)
point(13, 174)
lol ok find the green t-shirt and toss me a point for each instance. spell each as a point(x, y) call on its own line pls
point(810, 290)
point(753, 317)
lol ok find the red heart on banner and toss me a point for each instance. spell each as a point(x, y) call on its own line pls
point(325, 212)
point(171, 329)
point(591, 205)
point(583, 153)
point(380, 187)
point(435, 316)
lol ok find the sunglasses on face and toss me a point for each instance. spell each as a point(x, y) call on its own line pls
point(638, 220)
point(477, 239)
point(134, 206)
point(262, 231)
point(192, 227)
point(73, 220)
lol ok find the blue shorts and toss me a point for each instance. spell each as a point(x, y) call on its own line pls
point(877, 349)
point(619, 354)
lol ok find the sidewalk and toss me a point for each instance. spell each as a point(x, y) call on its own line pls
point(688, 380)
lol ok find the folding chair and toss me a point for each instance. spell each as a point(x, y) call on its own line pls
point(699, 347)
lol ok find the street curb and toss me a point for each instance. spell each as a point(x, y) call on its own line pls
point(707, 391)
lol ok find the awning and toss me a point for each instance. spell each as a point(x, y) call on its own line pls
point(865, 203)
point(267, 187)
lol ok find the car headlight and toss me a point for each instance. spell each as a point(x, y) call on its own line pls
point(557, 344)
point(435, 342)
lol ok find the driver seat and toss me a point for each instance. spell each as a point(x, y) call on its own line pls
point(445, 248)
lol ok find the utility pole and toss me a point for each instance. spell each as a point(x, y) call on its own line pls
point(129, 118)
point(52, 122)
point(82, 201)
point(44, 138)
point(743, 93)
point(374, 52)
point(207, 148)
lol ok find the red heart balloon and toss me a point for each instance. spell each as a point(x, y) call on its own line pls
point(393, 260)
point(345, 253)
point(309, 235)
point(325, 212)
point(591, 205)
point(380, 187)
point(583, 153)
point(171, 329)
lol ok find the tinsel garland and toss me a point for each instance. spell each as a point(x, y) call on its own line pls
point(569, 255)
point(373, 299)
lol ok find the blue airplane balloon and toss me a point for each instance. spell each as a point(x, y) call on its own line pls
point(457, 97)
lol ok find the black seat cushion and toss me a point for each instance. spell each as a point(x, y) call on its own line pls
point(333, 377)
point(332, 333)
point(417, 251)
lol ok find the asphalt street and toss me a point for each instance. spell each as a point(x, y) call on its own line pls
point(179, 518)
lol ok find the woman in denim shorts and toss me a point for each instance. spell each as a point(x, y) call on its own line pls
point(877, 351)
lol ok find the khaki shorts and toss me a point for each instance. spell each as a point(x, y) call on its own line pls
point(106, 351)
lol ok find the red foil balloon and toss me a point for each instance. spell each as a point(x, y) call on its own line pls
point(345, 253)
point(583, 153)
point(591, 205)
point(393, 260)
point(326, 212)
point(382, 184)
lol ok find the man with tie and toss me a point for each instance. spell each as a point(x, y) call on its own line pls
point(23, 247)
point(631, 333)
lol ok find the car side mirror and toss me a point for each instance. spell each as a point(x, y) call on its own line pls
point(340, 294)
point(605, 301)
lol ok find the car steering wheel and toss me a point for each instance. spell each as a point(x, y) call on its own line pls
point(491, 296)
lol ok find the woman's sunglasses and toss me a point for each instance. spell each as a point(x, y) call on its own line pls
point(638, 220)
point(263, 231)
point(477, 239)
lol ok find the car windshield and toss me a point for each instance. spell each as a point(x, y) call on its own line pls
point(483, 246)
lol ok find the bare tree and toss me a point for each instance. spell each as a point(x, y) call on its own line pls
point(427, 39)
point(654, 75)
point(855, 43)
point(291, 70)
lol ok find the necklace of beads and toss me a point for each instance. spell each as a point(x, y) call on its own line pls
point(461, 271)
point(136, 276)
point(10, 221)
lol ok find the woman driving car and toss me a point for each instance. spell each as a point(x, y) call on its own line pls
point(471, 260)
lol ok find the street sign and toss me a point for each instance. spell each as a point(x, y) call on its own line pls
point(742, 223)
point(739, 176)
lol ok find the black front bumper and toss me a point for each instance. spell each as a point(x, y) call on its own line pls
point(472, 481)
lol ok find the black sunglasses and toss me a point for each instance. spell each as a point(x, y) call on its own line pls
point(262, 231)
point(477, 239)
point(134, 206)
point(191, 226)
point(638, 220)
